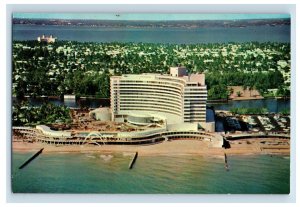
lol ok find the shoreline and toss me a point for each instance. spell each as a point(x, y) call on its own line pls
point(175, 147)
point(245, 98)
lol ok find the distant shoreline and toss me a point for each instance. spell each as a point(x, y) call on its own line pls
point(185, 24)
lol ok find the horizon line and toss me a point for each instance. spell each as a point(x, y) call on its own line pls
point(148, 16)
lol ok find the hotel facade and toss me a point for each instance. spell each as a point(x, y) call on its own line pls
point(153, 98)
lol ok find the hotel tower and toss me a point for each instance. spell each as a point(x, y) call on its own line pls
point(153, 98)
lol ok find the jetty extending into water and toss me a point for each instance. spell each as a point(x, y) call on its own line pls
point(133, 160)
point(31, 158)
point(226, 162)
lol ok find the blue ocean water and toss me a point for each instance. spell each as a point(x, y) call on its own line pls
point(280, 33)
point(93, 173)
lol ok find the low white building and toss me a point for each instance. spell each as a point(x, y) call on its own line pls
point(47, 39)
point(49, 132)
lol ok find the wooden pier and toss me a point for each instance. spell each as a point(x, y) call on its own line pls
point(133, 160)
point(226, 162)
point(31, 158)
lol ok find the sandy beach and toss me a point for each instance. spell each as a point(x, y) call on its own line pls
point(175, 147)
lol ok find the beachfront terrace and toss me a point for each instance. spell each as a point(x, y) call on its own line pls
point(150, 136)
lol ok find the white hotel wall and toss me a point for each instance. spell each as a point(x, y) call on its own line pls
point(148, 94)
point(176, 99)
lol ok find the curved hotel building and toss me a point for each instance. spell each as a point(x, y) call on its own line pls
point(147, 98)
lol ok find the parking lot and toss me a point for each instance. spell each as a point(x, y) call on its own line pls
point(255, 123)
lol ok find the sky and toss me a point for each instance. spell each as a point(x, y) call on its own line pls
point(147, 16)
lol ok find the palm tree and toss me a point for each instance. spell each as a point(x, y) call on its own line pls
point(250, 89)
point(231, 90)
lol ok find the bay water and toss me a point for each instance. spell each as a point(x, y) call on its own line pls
point(272, 105)
point(279, 33)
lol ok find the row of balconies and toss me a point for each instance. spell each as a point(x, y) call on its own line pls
point(149, 88)
point(122, 82)
point(148, 85)
point(152, 94)
point(153, 105)
point(154, 109)
point(152, 98)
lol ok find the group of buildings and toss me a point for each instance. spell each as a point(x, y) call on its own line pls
point(174, 103)
point(157, 107)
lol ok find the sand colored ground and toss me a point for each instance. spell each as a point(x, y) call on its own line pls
point(245, 94)
point(175, 147)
